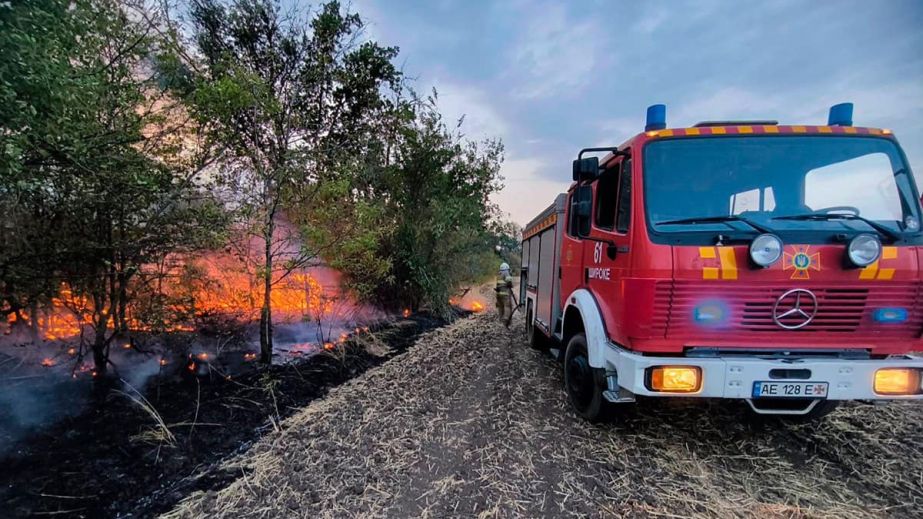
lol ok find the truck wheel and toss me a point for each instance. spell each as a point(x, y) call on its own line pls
point(537, 341)
point(584, 383)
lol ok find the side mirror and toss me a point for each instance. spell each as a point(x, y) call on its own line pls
point(586, 169)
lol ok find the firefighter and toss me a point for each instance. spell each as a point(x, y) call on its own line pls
point(504, 289)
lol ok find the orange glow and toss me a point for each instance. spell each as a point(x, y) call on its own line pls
point(192, 366)
point(897, 381)
point(163, 362)
point(72, 351)
point(477, 306)
point(226, 289)
point(676, 379)
point(126, 346)
point(202, 356)
point(329, 346)
point(406, 312)
point(47, 362)
point(249, 357)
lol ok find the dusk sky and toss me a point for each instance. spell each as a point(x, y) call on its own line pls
point(551, 77)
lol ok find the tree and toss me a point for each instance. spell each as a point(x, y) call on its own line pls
point(289, 101)
point(423, 195)
point(98, 166)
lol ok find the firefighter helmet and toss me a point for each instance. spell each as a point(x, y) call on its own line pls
point(504, 267)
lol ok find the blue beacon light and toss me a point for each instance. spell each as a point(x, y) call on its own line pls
point(710, 313)
point(840, 115)
point(890, 315)
point(656, 118)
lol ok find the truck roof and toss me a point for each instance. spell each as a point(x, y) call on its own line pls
point(731, 128)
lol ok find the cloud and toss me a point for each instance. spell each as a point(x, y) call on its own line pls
point(527, 189)
point(554, 54)
point(481, 119)
point(651, 21)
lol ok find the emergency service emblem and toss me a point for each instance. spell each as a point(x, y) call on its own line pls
point(801, 260)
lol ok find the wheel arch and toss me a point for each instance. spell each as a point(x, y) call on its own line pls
point(582, 315)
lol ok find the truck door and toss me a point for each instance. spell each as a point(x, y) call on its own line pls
point(578, 221)
point(606, 248)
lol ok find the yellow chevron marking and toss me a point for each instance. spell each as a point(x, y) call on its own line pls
point(728, 263)
point(869, 272)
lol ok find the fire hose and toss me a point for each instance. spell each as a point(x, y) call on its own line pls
point(513, 311)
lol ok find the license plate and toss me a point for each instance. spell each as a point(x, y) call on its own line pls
point(790, 389)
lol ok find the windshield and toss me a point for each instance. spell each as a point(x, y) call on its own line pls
point(767, 180)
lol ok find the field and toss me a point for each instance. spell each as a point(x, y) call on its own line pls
point(471, 422)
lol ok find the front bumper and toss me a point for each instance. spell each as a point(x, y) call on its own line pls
point(733, 377)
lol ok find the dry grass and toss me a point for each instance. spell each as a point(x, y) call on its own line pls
point(472, 423)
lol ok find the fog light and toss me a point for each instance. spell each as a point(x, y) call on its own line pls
point(897, 381)
point(675, 379)
point(765, 250)
point(863, 250)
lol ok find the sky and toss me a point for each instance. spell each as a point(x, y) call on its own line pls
point(549, 77)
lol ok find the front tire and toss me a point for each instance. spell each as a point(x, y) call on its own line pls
point(584, 384)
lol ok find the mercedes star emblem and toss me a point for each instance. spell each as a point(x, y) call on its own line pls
point(797, 307)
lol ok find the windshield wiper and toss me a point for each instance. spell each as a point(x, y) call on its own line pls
point(825, 217)
point(717, 219)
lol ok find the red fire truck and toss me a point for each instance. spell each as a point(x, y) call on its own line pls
point(748, 260)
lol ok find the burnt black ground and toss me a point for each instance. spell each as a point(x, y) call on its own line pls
point(111, 459)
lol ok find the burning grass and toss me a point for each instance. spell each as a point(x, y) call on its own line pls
point(473, 423)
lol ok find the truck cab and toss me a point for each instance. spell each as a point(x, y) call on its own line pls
point(749, 260)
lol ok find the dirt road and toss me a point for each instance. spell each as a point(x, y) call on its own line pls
point(471, 422)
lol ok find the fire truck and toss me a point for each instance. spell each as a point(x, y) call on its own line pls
point(745, 260)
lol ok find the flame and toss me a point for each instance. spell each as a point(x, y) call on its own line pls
point(249, 356)
point(163, 362)
point(192, 366)
point(72, 351)
point(297, 297)
point(202, 356)
point(406, 312)
point(329, 346)
point(47, 362)
point(477, 306)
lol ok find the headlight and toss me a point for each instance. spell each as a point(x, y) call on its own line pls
point(863, 250)
point(765, 250)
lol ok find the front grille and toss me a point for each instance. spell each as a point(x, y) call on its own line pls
point(748, 307)
point(838, 310)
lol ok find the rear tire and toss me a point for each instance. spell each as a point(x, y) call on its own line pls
point(537, 340)
point(584, 384)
